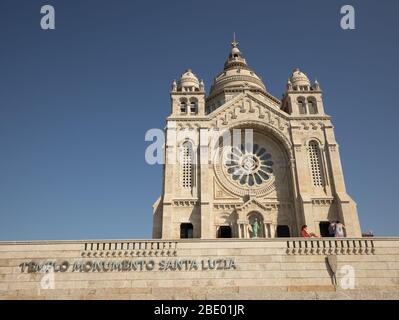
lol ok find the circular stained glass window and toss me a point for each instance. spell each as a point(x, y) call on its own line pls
point(249, 165)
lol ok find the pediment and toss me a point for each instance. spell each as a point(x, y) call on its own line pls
point(248, 106)
point(252, 204)
point(248, 109)
point(253, 101)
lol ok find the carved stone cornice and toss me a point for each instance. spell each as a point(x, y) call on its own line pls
point(323, 201)
point(185, 202)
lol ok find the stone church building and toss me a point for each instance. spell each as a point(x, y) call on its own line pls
point(290, 173)
point(281, 170)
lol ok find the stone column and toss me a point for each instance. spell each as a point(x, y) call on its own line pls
point(241, 228)
point(265, 232)
point(272, 231)
point(246, 232)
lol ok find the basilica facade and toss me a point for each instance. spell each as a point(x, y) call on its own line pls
point(275, 161)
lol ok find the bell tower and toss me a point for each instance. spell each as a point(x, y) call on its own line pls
point(301, 98)
point(177, 213)
point(322, 195)
point(188, 96)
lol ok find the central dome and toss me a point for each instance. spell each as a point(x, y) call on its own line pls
point(236, 75)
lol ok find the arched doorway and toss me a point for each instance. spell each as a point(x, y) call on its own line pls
point(186, 230)
point(282, 231)
point(324, 226)
point(224, 232)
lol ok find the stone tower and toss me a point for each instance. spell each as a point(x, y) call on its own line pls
point(289, 174)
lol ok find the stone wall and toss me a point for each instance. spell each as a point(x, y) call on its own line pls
point(291, 268)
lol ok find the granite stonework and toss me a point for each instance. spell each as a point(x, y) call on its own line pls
point(291, 268)
point(240, 154)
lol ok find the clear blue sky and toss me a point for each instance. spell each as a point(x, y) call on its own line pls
point(75, 102)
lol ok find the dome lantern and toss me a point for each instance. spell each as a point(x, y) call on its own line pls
point(188, 81)
point(236, 76)
point(299, 80)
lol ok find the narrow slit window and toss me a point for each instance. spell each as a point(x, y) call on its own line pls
point(187, 165)
point(315, 164)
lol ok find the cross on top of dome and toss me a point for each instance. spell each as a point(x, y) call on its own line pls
point(234, 44)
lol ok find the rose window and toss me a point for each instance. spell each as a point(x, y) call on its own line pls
point(249, 166)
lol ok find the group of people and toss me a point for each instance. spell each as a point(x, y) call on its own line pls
point(335, 229)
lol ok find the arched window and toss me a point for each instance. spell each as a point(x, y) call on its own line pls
point(301, 105)
point(187, 163)
point(315, 164)
point(312, 106)
point(183, 107)
point(193, 106)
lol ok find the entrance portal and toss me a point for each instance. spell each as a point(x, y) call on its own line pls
point(224, 232)
point(282, 231)
point(324, 225)
point(186, 230)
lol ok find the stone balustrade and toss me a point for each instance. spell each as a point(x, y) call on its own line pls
point(143, 248)
point(332, 246)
